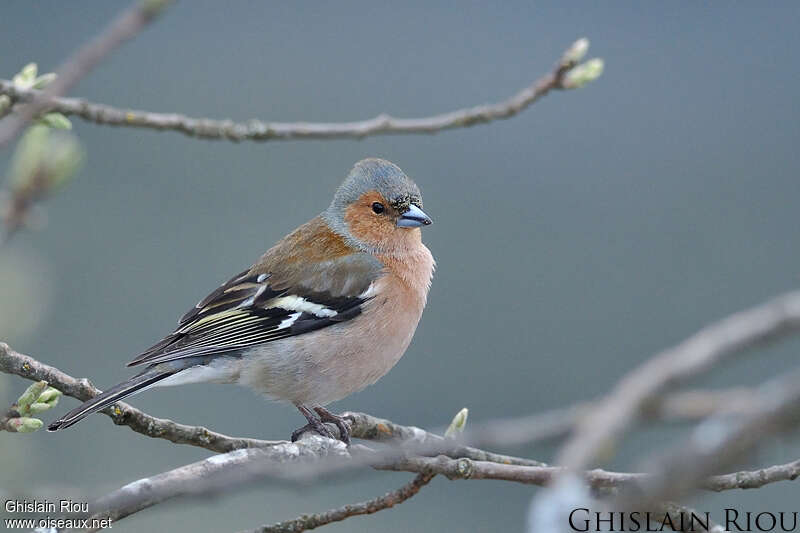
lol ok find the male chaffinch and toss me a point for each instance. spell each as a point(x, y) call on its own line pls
point(325, 312)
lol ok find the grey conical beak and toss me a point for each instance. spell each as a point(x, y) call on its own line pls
point(414, 218)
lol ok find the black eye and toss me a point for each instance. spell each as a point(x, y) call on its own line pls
point(378, 208)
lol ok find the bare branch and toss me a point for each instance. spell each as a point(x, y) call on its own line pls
point(754, 479)
point(306, 522)
point(318, 456)
point(258, 130)
point(710, 346)
point(6, 421)
point(368, 427)
point(12, 362)
point(126, 26)
point(690, 405)
point(272, 457)
point(363, 426)
point(203, 476)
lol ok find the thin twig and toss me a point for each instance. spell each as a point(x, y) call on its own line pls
point(258, 130)
point(312, 521)
point(12, 362)
point(5, 418)
point(126, 26)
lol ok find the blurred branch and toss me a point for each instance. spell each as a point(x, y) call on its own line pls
point(721, 441)
point(567, 74)
point(126, 26)
point(677, 514)
point(312, 521)
point(598, 430)
point(713, 445)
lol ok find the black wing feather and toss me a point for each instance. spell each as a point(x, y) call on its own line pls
point(246, 311)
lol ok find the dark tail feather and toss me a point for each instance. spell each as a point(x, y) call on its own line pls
point(109, 397)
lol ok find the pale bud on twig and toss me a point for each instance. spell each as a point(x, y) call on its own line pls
point(583, 74)
point(24, 424)
point(575, 53)
point(456, 427)
point(30, 396)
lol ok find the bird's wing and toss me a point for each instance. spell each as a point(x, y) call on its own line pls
point(261, 305)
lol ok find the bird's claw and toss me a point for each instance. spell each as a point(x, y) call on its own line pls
point(317, 424)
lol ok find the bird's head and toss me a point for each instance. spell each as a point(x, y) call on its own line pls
point(378, 208)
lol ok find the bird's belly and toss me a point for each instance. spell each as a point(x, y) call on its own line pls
point(328, 364)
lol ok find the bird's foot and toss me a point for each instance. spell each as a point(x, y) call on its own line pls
point(338, 421)
point(317, 424)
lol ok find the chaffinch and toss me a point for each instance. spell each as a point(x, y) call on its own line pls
point(325, 312)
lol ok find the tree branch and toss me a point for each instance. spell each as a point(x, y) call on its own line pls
point(252, 459)
point(12, 362)
point(318, 456)
point(690, 405)
point(203, 477)
point(126, 26)
point(306, 522)
point(363, 426)
point(258, 130)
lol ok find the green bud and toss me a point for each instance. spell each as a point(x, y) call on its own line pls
point(30, 396)
point(456, 427)
point(57, 121)
point(43, 80)
point(39, 407)
point(45, 159)
point(28, 155)
point(5, 103)
point(24, 424)
point(50, 396)
point(583, 74)
point(64, 159)
point(25, 78)
point(576, 52)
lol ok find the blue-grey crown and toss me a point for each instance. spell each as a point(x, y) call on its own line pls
point(379, 175)
point(368, 175)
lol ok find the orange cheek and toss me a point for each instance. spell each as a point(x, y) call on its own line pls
point(366, 226)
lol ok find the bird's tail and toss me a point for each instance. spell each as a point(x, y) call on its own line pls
point(136, 384)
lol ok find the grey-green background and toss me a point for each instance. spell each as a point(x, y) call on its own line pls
point(573, 241)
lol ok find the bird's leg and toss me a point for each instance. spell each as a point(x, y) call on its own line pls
point(314, 424)
point(338, 421)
